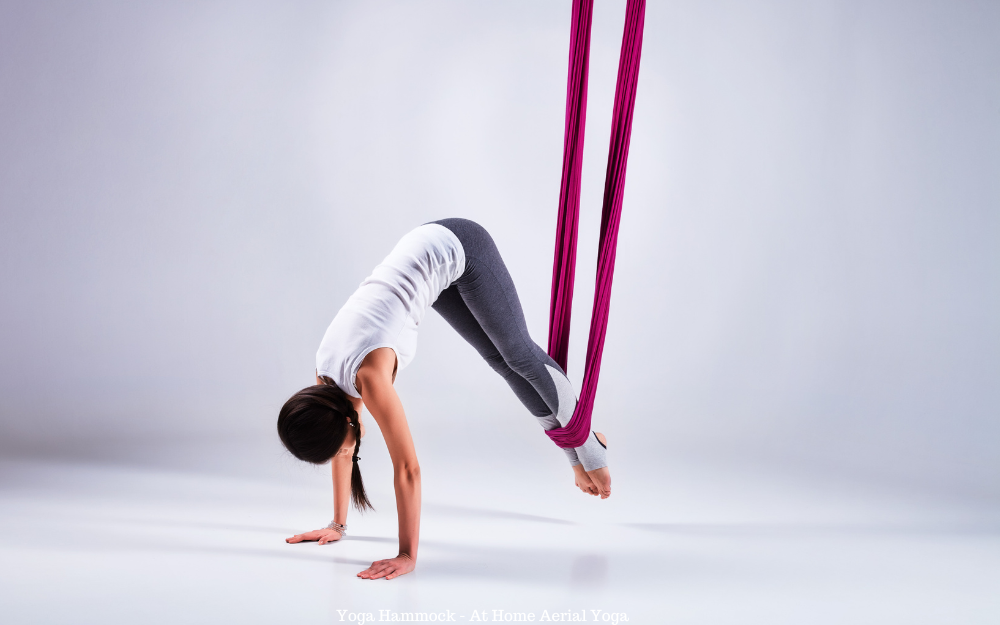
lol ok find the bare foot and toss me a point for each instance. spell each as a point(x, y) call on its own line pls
point(596, 482)
point(601, 478)
point(583, 481)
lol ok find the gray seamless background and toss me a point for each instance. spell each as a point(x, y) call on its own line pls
point(808, 269)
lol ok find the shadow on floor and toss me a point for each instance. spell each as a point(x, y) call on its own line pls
point(813, 529)
point(464, 511)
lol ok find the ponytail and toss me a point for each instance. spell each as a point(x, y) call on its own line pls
point(358, 495)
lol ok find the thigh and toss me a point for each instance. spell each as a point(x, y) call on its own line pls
point(452, 307)
point(488, 291)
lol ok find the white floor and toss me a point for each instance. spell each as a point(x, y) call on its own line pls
point(85, 543)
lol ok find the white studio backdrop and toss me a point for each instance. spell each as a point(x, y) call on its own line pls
point(808, 269)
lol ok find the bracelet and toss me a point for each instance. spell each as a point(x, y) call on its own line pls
point(338, 527)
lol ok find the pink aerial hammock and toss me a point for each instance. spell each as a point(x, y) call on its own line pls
point(575, 433)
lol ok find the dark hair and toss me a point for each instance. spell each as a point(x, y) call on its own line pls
point(313, 425)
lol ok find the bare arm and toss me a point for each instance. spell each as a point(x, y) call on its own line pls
point(340, 468)
point(374, 381)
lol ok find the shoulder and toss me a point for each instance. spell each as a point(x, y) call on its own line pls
point(380, 363)
point(379, 357)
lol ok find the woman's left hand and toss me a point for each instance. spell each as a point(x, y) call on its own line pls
point(400, 565)
point(322, 536)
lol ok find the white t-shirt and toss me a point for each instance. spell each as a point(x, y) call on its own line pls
point(388, 306)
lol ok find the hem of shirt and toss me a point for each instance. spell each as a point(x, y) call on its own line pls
point(459, 246)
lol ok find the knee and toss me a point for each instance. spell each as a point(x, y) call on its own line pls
point(526, 366)
point(498, 364)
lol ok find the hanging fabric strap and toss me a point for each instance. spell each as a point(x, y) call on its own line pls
point(563, 271)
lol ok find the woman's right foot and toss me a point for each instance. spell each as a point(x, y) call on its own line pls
point(593, 453)
point(601, 478)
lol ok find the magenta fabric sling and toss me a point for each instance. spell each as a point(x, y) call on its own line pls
point(563, 271)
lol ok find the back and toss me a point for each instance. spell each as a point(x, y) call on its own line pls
point(387, 308)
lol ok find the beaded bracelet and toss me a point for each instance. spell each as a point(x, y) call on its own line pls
point(338, 527)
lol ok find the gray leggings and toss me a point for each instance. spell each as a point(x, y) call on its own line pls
point(483, 307)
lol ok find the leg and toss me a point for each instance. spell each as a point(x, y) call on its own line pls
point(452, 307)
point(488, 293)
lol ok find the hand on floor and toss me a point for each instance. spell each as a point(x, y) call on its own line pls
point(400, 565)
point(321, 536)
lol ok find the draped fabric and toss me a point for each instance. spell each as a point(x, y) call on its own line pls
point(564, 266)
point(563, 271)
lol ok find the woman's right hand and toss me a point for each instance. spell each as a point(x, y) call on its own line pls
point(322, 536)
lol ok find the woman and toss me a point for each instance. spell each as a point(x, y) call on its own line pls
point(453, 266)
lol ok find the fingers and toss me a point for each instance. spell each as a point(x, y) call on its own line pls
point(376, 570)
point(383, 572)
point(388, 569)
point(365, 574)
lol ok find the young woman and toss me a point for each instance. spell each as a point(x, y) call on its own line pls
point(453, 266)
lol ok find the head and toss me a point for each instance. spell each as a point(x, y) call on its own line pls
point(318, 423)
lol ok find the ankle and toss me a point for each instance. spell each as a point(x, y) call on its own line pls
point(592, 454)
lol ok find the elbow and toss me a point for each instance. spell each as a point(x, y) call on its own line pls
point(408, 472)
